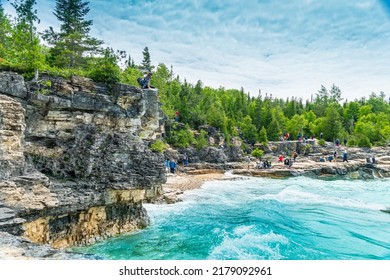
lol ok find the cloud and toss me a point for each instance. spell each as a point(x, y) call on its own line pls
point(281, 47)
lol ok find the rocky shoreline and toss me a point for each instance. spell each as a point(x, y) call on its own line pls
point(76, 168)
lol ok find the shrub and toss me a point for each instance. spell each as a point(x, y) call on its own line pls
point(364, 142)
point(257, 153)
point(158, 146)
point(352, 142)
point(201, 141)
point(181, 138)
point(321, 142)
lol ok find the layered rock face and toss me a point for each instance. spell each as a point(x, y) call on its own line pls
point(74, 158)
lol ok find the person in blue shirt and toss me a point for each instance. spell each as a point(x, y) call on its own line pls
point(345, 157)
point(166, 165)
point(146, 81)
point(185, 159)
point(172, 165)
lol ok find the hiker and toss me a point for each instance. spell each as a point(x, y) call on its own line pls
point(337, 142)
point(321, 135)
point(322, 159)
point(177, 116)
point(145, 82)
point(266, 164)
point(167, 165)
point(172, 165)
point(335, 156)
point(373, 160)
point(185, 159)
point(280, 158)
point(345, 158)
point(345, 141)
point(295, 154)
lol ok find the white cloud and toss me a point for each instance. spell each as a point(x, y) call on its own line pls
point(282, 47)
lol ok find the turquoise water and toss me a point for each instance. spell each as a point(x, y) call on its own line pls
point(256, 218)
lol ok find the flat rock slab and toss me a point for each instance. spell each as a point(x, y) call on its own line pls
point(6, 214)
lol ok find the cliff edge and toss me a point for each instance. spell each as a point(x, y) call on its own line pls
point(74, 159)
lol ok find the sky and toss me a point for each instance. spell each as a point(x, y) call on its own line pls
point(281, 47)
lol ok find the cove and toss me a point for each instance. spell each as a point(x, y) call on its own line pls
point(298, 218)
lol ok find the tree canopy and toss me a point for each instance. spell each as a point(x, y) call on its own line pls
point(233, 112)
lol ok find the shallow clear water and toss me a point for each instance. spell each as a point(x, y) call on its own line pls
point(297, 218)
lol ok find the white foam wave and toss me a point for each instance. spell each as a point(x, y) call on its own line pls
point(245, 243)
point(298, 195)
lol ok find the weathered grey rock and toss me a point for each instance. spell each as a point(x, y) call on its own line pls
point(88, 167)
point(12, 84)
point(12, 127)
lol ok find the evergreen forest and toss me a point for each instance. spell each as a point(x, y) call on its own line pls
point(69, 49)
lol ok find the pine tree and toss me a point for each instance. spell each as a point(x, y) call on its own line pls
point(73, 41)
point(26, 15)
point(5, 34)
point(130, 62)
point(146, 63)
point(27, 51)
point(263, 136)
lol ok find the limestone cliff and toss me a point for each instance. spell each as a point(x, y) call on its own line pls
point(74, 158)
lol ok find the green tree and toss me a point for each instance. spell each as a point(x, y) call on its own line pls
point(296, 125)
point(146, 62)
point(5, 35)
point(27, 54)
point(248, 130)
point(73, 41)
point(105, 69)
point(263, 136)
point(330, 125)
point(26, 16)
point(273, 130)
point(201, 140)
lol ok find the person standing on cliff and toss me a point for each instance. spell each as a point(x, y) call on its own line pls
point(146, 81)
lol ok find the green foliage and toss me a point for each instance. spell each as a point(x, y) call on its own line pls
point(201, 141)
point(105, 69)
point(263, 136)
point(130, 75)
point(257, 153)
point(306, 149)
point(364, 142)
point(72, 51)
point(330, 125)
point(73, 39)
point(181, 138)
point(158, 146)
point(321, 142)
point(248, 130)
point(296, 125)
point(146, 63)
point(273, 130)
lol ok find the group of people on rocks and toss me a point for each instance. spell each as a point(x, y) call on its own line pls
point(171, 165)
point(333, 157)
point(287, 137)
